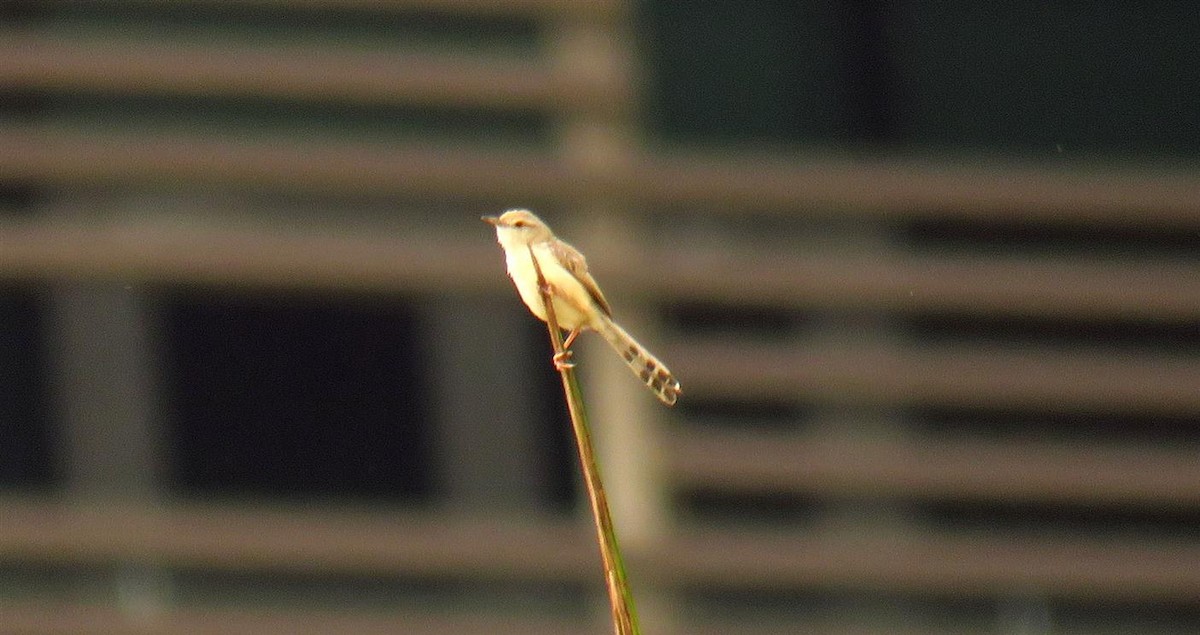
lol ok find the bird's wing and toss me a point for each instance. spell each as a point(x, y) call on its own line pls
point(574, 262)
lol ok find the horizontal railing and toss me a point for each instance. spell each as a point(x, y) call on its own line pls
point(925, 469)
point(35, 61)
point(1041, 379)
point(395, 257)
point(332, 540)
point(733, 184)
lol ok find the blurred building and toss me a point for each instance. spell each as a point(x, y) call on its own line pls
point(929, 274)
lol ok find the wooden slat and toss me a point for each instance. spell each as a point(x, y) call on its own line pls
point(854, 622)
point(327, 541)
point(932, 563)
point(250, 255)
point(46, 617)
point(73, 618)
point(392, 259)
point(89, 158)
point(968, 376)
point(904, 187)
point(593, 9)
point(1075, 287)
point(30, 60)
point(858, 622)
point(307, 541)
point(898, 188)
point(931, 469)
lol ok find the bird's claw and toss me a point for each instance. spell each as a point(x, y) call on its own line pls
point(562, 361)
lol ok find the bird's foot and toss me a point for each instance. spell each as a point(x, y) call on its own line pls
point(562, 361)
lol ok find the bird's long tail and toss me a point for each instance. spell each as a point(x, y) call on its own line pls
point(652, 372)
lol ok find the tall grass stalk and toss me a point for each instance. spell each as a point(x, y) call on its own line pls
point(619, 595)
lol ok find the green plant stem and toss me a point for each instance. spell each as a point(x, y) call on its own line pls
point(619, 595)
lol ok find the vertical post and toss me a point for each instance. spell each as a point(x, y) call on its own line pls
point(600, 143)
point(497, 475)
point(103, 354)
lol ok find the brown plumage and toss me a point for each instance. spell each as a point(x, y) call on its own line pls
point(578, 302)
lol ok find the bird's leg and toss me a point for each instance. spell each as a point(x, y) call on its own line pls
point(570, 338)
point(562, 361)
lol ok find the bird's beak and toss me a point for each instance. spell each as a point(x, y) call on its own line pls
point(490, 220)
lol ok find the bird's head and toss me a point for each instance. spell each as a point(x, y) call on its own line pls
point(518, 228)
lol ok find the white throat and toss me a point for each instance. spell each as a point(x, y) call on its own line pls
point(512, 238)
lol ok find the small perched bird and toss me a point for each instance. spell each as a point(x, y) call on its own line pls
point(578, 302)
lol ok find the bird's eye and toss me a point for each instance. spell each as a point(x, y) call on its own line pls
point(520, 223)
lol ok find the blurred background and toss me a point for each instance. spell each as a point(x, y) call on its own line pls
point(928, 271)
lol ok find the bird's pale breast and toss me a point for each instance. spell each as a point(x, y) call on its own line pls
point(573, 306)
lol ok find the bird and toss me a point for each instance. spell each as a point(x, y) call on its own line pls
point(578, 303)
